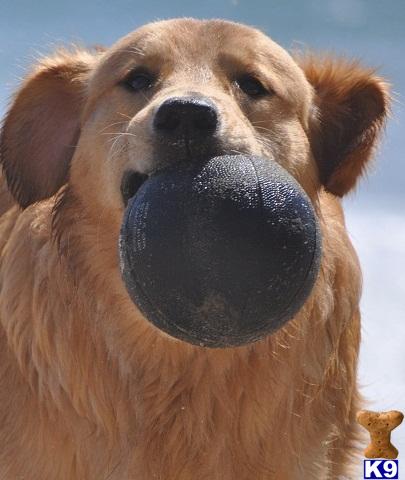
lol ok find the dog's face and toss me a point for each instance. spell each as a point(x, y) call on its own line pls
point(97, 123)
point(183, 90)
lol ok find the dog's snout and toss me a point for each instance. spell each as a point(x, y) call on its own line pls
point(186, 116)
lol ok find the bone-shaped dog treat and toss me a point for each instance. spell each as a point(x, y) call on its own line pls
point(380, 425)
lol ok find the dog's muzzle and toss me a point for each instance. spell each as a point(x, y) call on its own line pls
point(220, 253)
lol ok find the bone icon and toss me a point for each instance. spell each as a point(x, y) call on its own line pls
point(380, 426)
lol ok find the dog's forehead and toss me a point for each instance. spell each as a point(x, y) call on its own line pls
point(195, 39)
point(190, 43)
point(199, 40)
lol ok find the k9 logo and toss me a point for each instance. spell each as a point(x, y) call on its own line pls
point(381, 469)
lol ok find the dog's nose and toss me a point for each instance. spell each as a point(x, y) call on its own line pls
point(194, 118)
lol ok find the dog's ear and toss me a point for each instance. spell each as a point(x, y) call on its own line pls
point(42, 127)
point(350, 107)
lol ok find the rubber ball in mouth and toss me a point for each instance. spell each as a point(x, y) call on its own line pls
point(220, 253)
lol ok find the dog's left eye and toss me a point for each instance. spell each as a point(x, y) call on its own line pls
point(140, 80)
point(251, 86)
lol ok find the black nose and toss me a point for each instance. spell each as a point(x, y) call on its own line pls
point(186, 116)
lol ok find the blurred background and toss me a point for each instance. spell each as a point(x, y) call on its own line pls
point(371, 30)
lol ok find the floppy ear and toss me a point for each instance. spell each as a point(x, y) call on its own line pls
point(350, 107)
point(42, 127)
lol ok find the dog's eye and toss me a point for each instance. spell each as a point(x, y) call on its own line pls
point(140, 80)
point(251, 86)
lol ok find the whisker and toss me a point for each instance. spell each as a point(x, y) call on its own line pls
point(120, 133)
point(125, 115)
point(128, 134)
point(113, 147)
point(262, 128)
point(111, 125)
point(123, 134)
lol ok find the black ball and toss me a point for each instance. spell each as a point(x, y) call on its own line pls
point(220, 253)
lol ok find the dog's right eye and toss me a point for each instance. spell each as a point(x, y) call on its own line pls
point(139, 80)
point(251, 86)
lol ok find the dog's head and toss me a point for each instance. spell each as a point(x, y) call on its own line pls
point(181, 89)
point(100, 122)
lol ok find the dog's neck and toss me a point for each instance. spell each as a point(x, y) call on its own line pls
point(109, 376)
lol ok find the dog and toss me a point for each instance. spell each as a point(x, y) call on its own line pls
point(89, 389)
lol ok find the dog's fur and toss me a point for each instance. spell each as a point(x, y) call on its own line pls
point(88, 388)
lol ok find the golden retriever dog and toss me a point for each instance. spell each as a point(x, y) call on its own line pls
point(89, 389)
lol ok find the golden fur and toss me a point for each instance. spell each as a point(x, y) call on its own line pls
point(89, 389)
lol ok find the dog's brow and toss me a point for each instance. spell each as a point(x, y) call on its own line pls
point(249, 62)
point(236, 61)
point(137, 50)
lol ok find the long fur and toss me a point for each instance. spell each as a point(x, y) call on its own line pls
point(89, 390)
